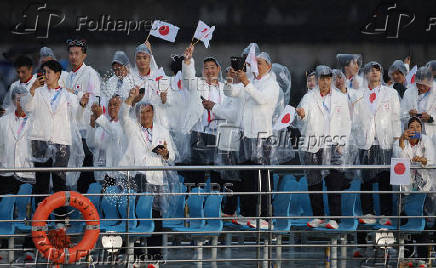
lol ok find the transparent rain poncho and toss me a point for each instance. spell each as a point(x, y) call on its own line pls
point(246, 50)
point(176, 113)
point(15, 148)
point(332, 153)
point(8, 103)
point(367, 68)
point(432, 66)
point(228, 137)
point(397, 65)
point(43, 150)
point(107, 140)
point(424, 76)
point(196, 120)
point(137, 155)
point(283, 77)
point(282, 151)
point(114, 85)
point(345, 59)
point(337, 73)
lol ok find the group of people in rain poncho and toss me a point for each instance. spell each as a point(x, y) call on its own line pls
point(141, 117)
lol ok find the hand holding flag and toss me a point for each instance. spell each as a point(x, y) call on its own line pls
point(286, 118)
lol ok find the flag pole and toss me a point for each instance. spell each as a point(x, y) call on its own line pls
point(198, 40)
point(148, 36)
point(149, 32)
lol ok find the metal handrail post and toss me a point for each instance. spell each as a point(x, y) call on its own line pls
point(128, 217)
point(259, 210)
point(270, 221)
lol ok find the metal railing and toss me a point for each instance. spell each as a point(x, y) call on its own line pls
point(264, 240)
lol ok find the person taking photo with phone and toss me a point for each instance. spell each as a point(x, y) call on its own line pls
point(420, 101)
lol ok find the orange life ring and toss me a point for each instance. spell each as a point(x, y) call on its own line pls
point(39, 227)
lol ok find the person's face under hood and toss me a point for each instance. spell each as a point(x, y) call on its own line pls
point(398, 77)
point(142, 60)
point(263, 67)
point(311, 82)
point(340, 82)
point(324, 84)
point(374, 75)
point(422, 89)
point(352, 68)
point(211, 71)
point(114, 107)
point(146, 116)
point(119, 70)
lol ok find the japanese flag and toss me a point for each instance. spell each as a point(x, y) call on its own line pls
point(410, 77)
point(204, 33)
point(162, 80)
point(400, 171)
point(177, 81)
point(159, 74)
point(251, 59)
point(164, 30)
point(286, 118)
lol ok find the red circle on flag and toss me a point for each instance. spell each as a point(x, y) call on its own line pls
point(164, 30)
point(179, 84)
point(399, 169)
point(286, 118)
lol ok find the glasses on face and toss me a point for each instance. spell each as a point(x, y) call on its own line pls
point(76, 43)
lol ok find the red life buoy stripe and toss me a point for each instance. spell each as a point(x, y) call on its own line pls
point(39, 227)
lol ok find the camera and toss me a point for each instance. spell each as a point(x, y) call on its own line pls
point(142, 90)
point(237, 63)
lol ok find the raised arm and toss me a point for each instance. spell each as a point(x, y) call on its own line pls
point(188, 69)
point(128, 123)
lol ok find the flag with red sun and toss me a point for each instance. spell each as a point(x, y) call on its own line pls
point(400, 171)
point(164, 30)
